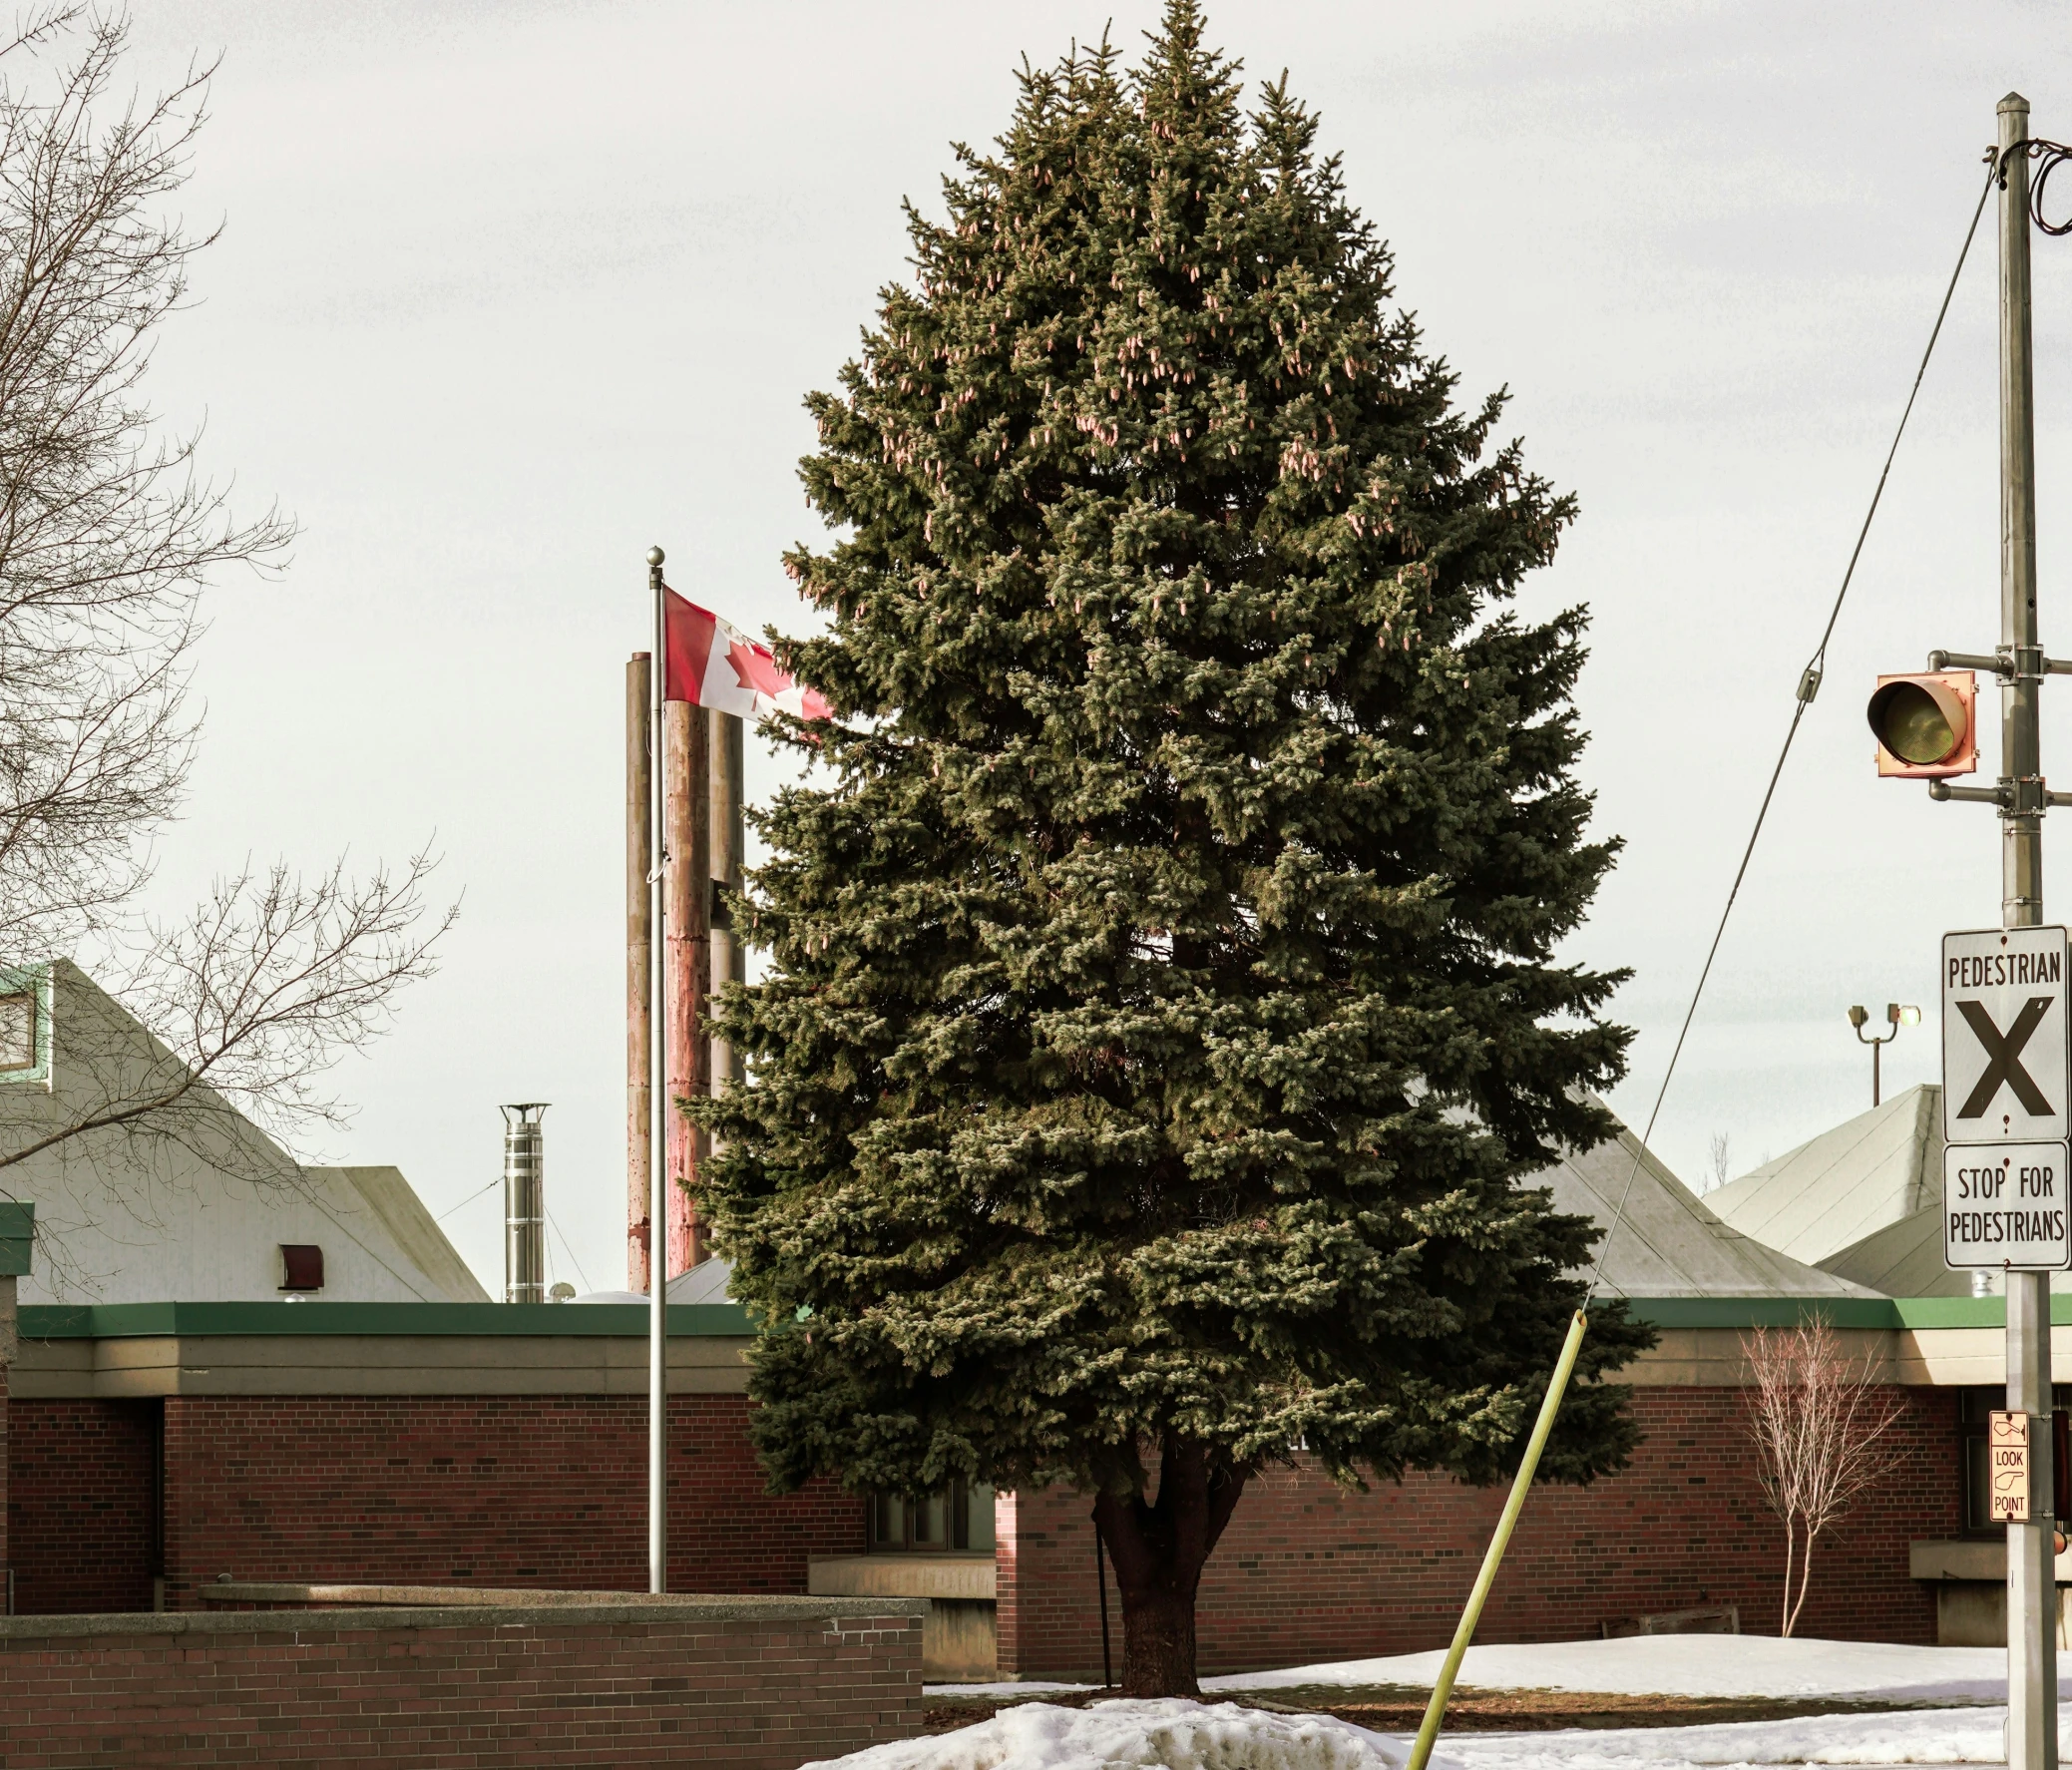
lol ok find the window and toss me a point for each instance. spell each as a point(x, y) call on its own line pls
point(956, 1521)
point(18, 1030)
point(301, 1267)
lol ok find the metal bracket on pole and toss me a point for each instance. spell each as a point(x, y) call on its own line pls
point(1993, 663)
point(2031, 796)
point(2017, 664)
point(1967, 795)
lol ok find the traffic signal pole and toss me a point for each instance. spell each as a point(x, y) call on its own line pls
point(2032, 1683)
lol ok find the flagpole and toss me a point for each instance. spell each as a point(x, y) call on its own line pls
point(658, 1096)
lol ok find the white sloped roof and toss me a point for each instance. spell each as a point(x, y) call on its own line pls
point(1863, 1200)
point(1866, 1176)
point(1904, 1259)
point(705, 1282)
point(189, 1206)
point(1667, 1243)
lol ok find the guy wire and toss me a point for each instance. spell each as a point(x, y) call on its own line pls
point(1808, 686)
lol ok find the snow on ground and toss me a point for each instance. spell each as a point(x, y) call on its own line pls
point(1646, 1666)
point(1225, 1736)
point(1175, 1735)
point(1912, 1736)
point(1680, 1665)
point(1179, 1735)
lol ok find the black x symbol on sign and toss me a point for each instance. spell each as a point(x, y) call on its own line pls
point(2004, 1058)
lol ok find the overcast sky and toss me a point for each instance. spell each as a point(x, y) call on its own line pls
point(508, 292)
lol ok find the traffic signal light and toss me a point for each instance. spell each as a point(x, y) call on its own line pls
point(1926, 724)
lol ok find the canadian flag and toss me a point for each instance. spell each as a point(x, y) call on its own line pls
point(709, 663)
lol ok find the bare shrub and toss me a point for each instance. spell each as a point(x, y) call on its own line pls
point(1817, 1419)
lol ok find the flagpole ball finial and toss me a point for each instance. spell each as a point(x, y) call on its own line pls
point(654, 556)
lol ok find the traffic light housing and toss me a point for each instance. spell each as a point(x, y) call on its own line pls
point(1927, 723)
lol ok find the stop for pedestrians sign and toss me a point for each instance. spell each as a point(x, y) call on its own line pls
point(2005, 1206)
point(2007, 1070)
point(2006, 1087)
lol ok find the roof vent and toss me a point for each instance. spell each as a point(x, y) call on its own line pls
point(525, 1204)
point(301, 1266)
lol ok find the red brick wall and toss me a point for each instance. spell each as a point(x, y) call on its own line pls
point(546, 1491)
point(762, 1695)
point(4, 1503)
point(79, 1498)
point(1309, 1573)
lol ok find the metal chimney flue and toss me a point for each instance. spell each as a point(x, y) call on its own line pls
point(525, 1204)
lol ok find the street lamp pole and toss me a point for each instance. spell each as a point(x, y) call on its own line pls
point(1895, 1017)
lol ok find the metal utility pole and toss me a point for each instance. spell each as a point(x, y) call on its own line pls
point(658, 1203)
point(2032, 1681)
point(639, 970)
point(688, 965)
point(729, 856)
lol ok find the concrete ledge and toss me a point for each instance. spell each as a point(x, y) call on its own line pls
point(1971, 1559)
point(601, 1607)
point(1957, 1560)
point(903, 1575)
point(341, 1596)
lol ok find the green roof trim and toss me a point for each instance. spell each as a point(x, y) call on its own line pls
point(1972, 1312)
point(17, 1239)
point(1889, 1313)
point(120, 1321)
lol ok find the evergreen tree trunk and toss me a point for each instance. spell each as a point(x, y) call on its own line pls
point(1158, 1552)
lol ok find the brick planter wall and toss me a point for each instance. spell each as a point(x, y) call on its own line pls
point(81, 1491)
point(517, 1491)
point(487, 1490)
point(6, 1502)
point(1308, 1573)
point(764, 1686)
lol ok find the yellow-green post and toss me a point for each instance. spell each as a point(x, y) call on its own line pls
point(1443, 1690)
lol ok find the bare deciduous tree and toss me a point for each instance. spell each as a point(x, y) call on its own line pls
point(1817, 1419)
point(261, 991)
point(106, 532)
point(107, 535)
point(1722, 1169)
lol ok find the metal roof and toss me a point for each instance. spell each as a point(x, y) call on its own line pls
point(1862, 1200)
point(1668, 1242)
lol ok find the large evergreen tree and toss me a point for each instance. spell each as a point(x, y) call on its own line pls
point(1162, 1005)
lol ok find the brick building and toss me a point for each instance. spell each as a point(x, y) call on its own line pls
point(170, 1455)
point(153, 1450)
